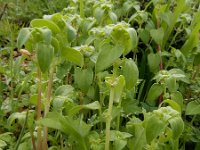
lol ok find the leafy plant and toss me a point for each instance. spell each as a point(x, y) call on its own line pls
point(107, 75)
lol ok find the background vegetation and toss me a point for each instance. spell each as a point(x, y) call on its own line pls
point(99, 74)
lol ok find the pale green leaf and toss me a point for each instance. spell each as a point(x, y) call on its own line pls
point(23, 36)
point(64, 90)
point(193, 108)
point(45, 23)
point(177, 126)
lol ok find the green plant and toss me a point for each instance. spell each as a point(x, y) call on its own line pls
point(110, 77)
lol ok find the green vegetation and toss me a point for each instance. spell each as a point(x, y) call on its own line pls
point(100, 75)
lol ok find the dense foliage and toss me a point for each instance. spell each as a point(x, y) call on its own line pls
point(100, 75)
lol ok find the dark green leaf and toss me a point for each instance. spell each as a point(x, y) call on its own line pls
point(154, 92)
point(45, 54)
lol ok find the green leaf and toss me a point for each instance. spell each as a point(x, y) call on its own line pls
point(83, 78)
point(154, 127)
point(71, 33)
point(144, 35)
point(178, 98)
point(179, 75)
point(154, 92)
point(45, 23)
point(46, 35)
point(23, 36)
point(7, 137)
point(113, 17)
point(134, 39)
point(2, 144)
point(45, 54)
point(177, 126)
point(130, 106)
point(119, 144)
point(91, 106)
point(55, 44)
point(73, 56)
point(171, 84)
point(154, 62)
point(173, 104)
point(64, 90)
point(75, 128)
point(131, 73)
point(192, 41)
point(167, 17)
point(192, 108)
point(157, 35)
point(122, 37)
point(107, 56)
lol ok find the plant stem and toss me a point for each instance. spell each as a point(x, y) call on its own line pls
point(11, 65)
point(39, 103)
point(81, 8)
point(109, 118)
point(47, 106)
point(118, 118)
point(33, 140)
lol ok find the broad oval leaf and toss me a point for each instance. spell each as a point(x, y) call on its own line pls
point(154, 92)
point(107, 56)
point(154, 127)
point(83, 78)
point(45, 23)
point(73, 56)
point(171, 84)
point(177, 126)
point(178, 98)
point(173, 104)
point(45, 54)
point(192, 108)
point(131, 73)
point(122, 37)
point(157, 35)
point(23, 36)
point(64, 90)
point(134, 38)
point(153, 62)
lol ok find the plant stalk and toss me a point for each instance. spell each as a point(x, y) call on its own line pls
point(39, 104)
point(109, 118)
point(47, 107)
